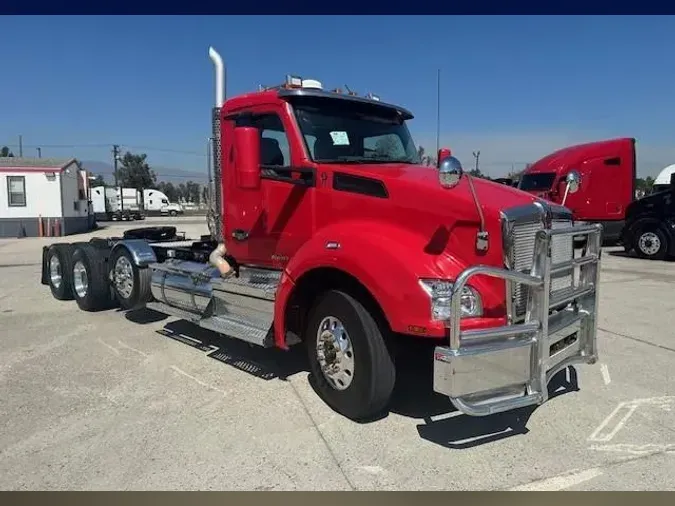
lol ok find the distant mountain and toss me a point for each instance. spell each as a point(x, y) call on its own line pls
point(169, 175)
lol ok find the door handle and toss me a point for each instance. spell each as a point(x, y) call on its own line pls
point(239, 234)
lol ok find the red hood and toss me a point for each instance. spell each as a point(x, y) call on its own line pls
point(418, 185)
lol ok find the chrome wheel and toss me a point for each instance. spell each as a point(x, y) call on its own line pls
point(649, 243)
point(335, 353)
point(80, 279)
point(55, 271)
point(123, 277)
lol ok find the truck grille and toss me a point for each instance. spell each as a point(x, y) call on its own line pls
point(519, 254)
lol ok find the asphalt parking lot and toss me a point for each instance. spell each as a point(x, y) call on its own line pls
point(109, 401)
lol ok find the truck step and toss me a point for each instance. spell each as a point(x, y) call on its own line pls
point(252, 282)
point(252, 330)
point(240, 307)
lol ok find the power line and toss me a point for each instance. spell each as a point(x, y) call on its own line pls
point(106, 145)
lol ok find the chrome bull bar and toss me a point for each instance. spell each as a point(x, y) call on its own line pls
point(488, 371)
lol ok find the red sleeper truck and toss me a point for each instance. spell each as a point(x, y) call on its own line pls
point(606, 171)
point(340, 239)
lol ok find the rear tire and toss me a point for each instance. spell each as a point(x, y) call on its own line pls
point(130, 283)
point(59, 271)
point(360, 370)
point(91, 289)
point(651, 244)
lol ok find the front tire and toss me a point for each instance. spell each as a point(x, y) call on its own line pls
point(651, 244)
point(353, 370)
point(130, 282)
point(90, 284)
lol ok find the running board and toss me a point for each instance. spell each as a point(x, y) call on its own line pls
point(251, 331)
point(240, 307)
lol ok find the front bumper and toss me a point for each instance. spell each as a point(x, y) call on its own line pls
point(499, 369)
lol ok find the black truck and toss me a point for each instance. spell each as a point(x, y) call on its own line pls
point(650, 225)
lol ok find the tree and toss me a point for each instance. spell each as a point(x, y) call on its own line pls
point(182, 192)
point(424, 158)
point(644, 185)
point(136, 173)
point(193, 193)
point(6, 153)
point(169, 190)
point(420, 152)
point(98, 181)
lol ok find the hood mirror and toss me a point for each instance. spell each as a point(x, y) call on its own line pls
point(450, 172)
point(572, 182)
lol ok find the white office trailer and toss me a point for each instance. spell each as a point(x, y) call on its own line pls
point(43, 197)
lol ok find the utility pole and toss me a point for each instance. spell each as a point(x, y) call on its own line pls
point(39, 150)
point(20, 146)
point(476, 155)
point(116, 155)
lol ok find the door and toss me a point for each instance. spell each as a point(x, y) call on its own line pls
point(268, 225)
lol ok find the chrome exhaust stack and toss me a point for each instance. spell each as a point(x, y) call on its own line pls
point(215, 213)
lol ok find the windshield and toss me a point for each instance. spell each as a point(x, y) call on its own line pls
point(351, 132)
point(541, 182)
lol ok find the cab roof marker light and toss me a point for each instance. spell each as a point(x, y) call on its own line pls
point(293, 81)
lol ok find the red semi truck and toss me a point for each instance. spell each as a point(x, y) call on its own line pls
point(606, 173)
point(340, 239)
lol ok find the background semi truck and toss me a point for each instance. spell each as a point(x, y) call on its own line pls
point(340, 241)
point(607, 172)
point(107, 206)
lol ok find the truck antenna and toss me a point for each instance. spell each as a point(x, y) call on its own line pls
point(438, 111)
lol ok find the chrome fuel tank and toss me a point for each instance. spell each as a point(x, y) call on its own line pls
point(183, 284)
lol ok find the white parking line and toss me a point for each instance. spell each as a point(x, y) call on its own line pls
point(605, 374)
point(197, 380)
point(598, 435)
point(603, 434)
point(111, 348)
point(124, 345)
point(559, 482)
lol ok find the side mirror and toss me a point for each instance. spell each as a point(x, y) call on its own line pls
point(572, 182)
point(247, 157)
point(442, 154)
point(450, 172)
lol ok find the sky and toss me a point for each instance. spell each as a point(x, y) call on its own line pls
point(513, 87)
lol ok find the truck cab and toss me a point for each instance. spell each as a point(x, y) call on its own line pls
point(650, 222)
point(607, 183)
point(328, 232)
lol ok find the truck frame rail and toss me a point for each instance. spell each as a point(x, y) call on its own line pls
point(493, 370)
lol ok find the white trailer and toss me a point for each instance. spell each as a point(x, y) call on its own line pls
point(109, 207)
point(662, 181)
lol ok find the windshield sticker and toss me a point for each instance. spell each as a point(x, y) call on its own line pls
point(340, 138)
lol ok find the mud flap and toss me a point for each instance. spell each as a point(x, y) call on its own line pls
point(45, 275)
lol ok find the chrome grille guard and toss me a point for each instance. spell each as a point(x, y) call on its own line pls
point(488, 371)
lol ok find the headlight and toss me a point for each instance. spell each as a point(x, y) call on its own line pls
point(440, 291)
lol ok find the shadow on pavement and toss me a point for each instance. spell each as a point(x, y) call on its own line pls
point(413, 393)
